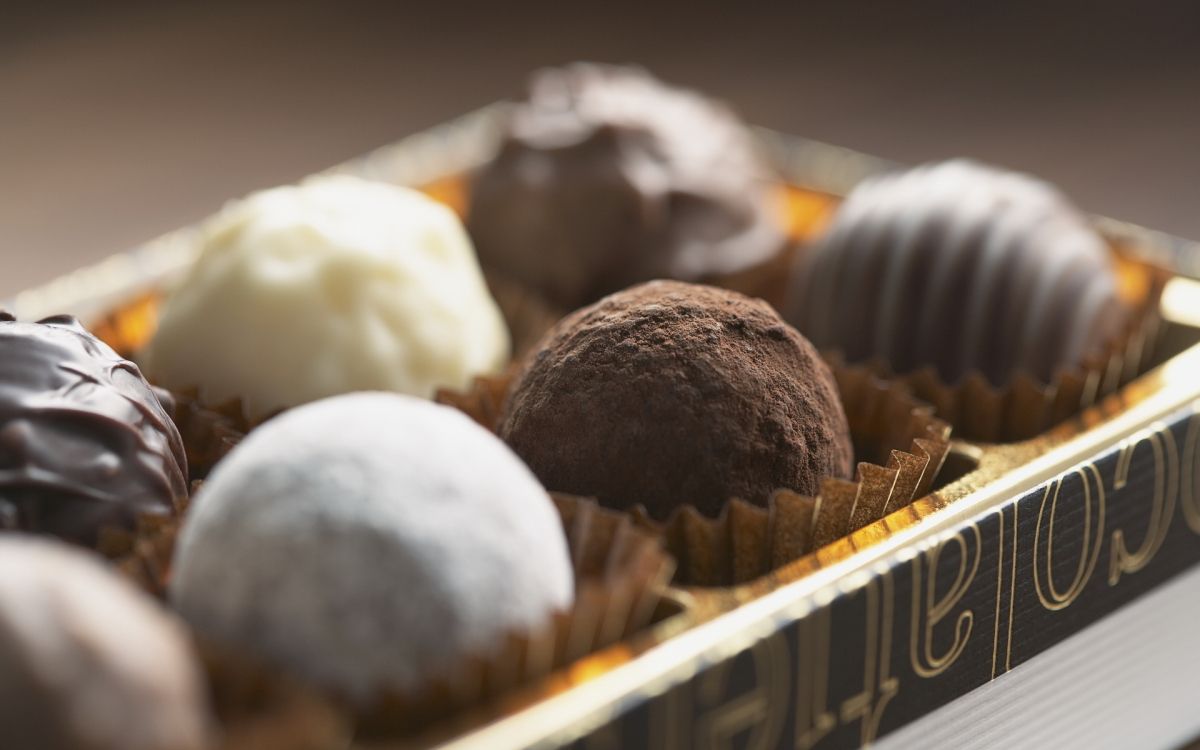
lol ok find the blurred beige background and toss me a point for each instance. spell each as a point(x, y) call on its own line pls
point(121, 121)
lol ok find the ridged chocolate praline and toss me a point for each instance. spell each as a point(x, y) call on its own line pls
point(85, 441)
point(961, 267)
point(607, 177)
point(671, 394)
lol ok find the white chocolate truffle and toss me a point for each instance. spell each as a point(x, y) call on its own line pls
point(369, 543)
point(335, 285)
point(87, 662)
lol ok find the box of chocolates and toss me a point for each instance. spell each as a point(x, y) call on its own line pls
point(594, 420)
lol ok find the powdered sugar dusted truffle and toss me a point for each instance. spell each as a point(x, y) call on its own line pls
point(87, 662)
point(370, 542)
point(963, 268)
point(335, 285)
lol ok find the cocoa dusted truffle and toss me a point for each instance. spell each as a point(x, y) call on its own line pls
point(371, 543)
point(85, 441)
point(607, 177)
point(671, 394)
point(961, 267)
point(88, 662)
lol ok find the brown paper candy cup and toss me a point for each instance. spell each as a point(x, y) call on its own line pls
point(1026, 407)
point(259, 708)
point(484, 400)
point(143, 554)
point(620, 574)
point(209, 434)
point(902, 446)
point(902, 443)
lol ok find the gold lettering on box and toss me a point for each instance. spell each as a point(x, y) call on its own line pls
point(879, 686)
point(1161, 443)
point(1000, 585)
point(761, 710)
point(928, 609)
point(1048, 593)
point(1012, 585)
point(1191, 477)
point(814, 720)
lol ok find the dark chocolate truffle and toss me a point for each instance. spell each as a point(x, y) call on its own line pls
point(607, 177)
point(672, 394)
point(371, 542)
point(85, 441)
point(961, 267)
point(88, 662)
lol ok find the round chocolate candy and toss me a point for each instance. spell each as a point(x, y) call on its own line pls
point(670, 394)
point(85, 441)
point(607, 177)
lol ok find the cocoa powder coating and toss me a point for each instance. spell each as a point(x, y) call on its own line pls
point(669, 394)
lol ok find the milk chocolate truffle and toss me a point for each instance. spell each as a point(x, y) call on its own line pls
point(87, 662)
point(338, 284)
point(85, 442)
point(961, 267)
point(671, 394)
point(370, 543)
point(607, 177)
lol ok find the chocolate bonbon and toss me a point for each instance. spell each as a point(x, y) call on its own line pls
point(85, 442)
point(962, 268)
point(607, 177)
point(671, 394)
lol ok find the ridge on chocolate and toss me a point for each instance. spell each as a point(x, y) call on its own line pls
point(607, 177)
point(85, 441)
point(960, 267)
point(671, 394)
